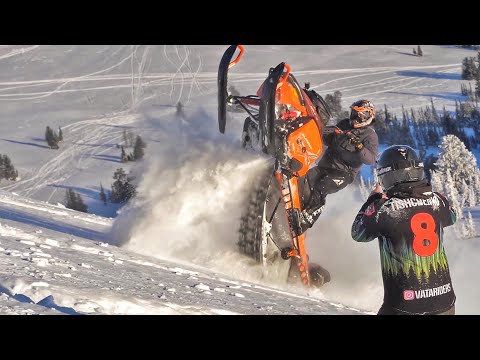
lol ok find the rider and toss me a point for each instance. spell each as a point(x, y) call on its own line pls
point(352, 144)
point(408, 219)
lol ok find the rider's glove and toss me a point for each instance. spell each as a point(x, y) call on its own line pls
point(355, 141)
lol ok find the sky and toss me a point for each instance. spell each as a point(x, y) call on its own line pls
point(173, 249)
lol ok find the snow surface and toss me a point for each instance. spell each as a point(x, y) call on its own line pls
point(172, 250)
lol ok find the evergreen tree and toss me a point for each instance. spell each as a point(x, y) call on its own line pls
point(123, 155)
point(476, 185)
point(470, 198)
point(435, 116)
point(51, 138)
point(412, 115)
point(138, 149)
point(74, 201)
point(419, 51)
point(463, 193)
point(469, 69)
point(2, 169)
point(103, 196)
point(122, 188)
point(452, 193)
point(380, 126)
point(457, 159)
point(334, 102)
point(363, 188)
point(468, 227)
point(437, 181)
point(449, 124)
point(180, 111)
point(9, 172)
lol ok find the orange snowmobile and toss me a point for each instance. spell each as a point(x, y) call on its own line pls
point(286, 122)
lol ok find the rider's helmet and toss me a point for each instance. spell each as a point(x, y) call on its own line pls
point(399, 164)
point(362, 113)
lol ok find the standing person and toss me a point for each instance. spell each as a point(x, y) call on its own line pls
point(353, 143)
point(408, 219)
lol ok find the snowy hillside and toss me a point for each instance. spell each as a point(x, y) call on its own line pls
point(178, 237)
point(57, 261)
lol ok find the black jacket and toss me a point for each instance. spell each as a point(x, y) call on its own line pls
point(409, 226)
point(341, 153)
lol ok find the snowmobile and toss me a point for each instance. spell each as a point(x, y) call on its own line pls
point(286, 122)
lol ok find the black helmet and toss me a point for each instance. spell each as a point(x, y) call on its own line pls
point(362, 113)
point(398, 164)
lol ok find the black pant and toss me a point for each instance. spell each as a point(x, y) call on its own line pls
point(326, 181)
point(387, 310)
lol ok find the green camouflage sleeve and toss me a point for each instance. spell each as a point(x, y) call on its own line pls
point(365, 227)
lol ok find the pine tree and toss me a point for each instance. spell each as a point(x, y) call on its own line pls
point(138, 150)
point(452, 193)
point(471, 200)
point(334, 102)
point(9, 172)
point(103, 196)
point(435, 116)
point(81, 206)
point(123, 155)
point(363, 188)
point(181, 113)
point(74, 201)
point(468, 227)
point(437, 180)
point(122, 188)
point(2, 169)
point(469, 69)
point(463, 193)
point(419, 51)
point(380, 126)
point(457, 159)
point(51, 138)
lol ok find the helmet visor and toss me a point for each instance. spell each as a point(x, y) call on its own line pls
point(389, 179)
point(359, 115)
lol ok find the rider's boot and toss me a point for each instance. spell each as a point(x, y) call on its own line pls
point(304, 220)
point(318, 275)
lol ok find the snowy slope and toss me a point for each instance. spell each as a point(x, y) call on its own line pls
point(192, 182)
point(57, 261)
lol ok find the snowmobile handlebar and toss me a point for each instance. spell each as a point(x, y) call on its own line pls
point(332, 129)
point(284, 78)
point(237, 59)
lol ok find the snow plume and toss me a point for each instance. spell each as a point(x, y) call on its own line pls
point(354, 267)
point(191, 196)
point(190, 199)
point(462, 255)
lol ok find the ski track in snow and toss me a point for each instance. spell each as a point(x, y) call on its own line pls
point(97, 131)
point(197, 78)
point(59, 168)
